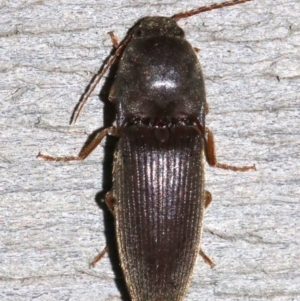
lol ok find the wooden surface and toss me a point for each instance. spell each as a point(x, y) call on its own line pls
point(52, 217)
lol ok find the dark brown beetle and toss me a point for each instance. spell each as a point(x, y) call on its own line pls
point(158, 195)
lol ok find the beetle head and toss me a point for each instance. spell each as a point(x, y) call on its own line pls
point(157, 26)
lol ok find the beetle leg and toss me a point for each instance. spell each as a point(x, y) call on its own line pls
point(211, 156)
point(85, 151)
point(206, 108)
point(206, 259)
point(114, 39)
point(99, 257)
point(110, 201)
point(208, 198)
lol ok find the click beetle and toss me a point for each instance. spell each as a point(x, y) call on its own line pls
point(158, 196)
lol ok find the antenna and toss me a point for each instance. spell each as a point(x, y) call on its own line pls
point(207, 8)
point(98, 77)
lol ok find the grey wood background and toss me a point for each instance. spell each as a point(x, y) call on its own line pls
point(51, 225)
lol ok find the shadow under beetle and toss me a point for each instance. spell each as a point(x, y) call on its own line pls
point(158, 197)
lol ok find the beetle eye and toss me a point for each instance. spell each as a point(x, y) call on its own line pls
point(138, 33)
point(179, 33)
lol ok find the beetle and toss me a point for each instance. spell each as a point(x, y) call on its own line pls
point(158, 196)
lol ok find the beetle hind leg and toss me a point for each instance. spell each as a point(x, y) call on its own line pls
point(110, 202)
point(206, 259)
point(99, 257)
point(208, 199)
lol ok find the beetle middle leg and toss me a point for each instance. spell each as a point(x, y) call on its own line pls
point(110, 201)
point(208, 198)
point(86, 151)
point(212, 159)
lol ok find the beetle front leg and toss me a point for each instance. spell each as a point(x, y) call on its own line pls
point(86, 151)
point(114, 39)
point(212, 159)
